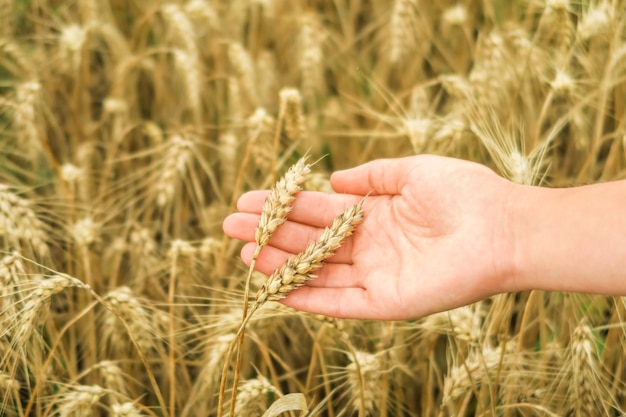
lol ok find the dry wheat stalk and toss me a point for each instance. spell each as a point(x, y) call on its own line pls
point(203, 12)
point(279, 202)
point(243, 67)
point(583, 389)
point(180, 26)
point(267, 78)
point(135, 315)
point(208, 377)
point(112, 377)
point(12, 273)
point(228, 145)
point(28, 97)
point(188, 65)
point(84, 232)
point(596, 21)
point(79, 400)
point(273, 214)
point(478, 366)
point(7, 18)
point(253, 395)
point(35, 306)
point(311, 60)
point(293, 115)
point(402, 34)
point(463, 323)
point(20, 224)
point(364, 373)
point(71, 41)
point(126, 409)
point(492, 72)
point(7, 383)
point(299, 268)
point(178, 155)
point(556, 29)
point(261, 127)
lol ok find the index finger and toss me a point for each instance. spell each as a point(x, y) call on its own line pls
point(310, 207)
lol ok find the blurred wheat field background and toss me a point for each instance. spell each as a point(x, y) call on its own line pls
point(129, 128)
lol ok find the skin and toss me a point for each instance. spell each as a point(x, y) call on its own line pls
point(439, 233)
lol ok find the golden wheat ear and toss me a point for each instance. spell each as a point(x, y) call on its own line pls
point(299, 268)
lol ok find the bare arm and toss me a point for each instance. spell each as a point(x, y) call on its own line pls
point(571, 239)
point(440, 233)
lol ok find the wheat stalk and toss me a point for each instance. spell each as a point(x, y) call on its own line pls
point(299, 268)
point(364, 373)
point(253, 396)
point(402, 29)
point(126, 409)
point(293, 116)
point(273, 214)
point(79, 400)
point(583, 389)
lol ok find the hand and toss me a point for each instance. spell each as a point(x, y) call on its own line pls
point(435, 236)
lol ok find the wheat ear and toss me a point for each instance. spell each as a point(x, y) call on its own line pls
point(299, 268)
point(273, 214)
point(296, 271)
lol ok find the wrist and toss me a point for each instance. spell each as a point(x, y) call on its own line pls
point(531, 210)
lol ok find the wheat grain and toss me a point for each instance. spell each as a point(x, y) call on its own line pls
point(556, 29)
point(126, 410)
point(402, 35)
point(206, 383)
point(293, 115)
point(204, 11)
point(364, 374)
point(71, 174)
point(479, 365)
point(178, 154)
point(267, 78)
point(7, 18)
point(463, 323)
point(228, 145)
point(112, 377)
point(79, 400)
point(243, 67)
point(299, 268)
point(71, 41)
point(311, 61)
point(180, 25)
point(85, 232)
point(418, 131)
point(279, 202)
point(563, 85)
point(455, 15)
point(596, 22)
point(36, 303)
point(138, 318)
point(7, 383)
point(18, 222)
point(260, 130)
point(583, 391)
point(252, 400)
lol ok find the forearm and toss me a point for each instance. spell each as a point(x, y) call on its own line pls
point(570, 239)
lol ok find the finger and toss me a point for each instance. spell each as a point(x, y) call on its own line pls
point(379, 177)
point(346, 303)
point(272, 258)
point(310, 207)
point(290, 237)
point(331, 275)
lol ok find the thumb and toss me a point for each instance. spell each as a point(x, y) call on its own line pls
point(379, 177)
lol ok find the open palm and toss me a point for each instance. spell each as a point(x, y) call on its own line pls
point(434, 237)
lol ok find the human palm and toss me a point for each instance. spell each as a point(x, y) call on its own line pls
point(434, 237)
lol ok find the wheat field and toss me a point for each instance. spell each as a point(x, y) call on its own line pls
point(128, 129)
